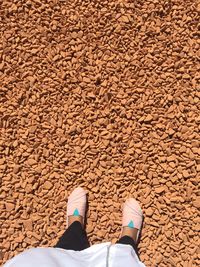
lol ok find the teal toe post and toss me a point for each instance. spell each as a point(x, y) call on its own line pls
point(76, 213)
point(131, 224)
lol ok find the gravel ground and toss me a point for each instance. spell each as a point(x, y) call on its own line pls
point(102, 94)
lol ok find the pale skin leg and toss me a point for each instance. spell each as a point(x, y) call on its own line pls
point(132, 232)
point(73, 218)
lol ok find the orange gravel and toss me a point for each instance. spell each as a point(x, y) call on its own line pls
point(105, 95)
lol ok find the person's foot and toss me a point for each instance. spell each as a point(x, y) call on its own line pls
point(76, 206)
point(132, 219)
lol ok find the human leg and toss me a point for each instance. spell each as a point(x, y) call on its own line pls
point(75, 238)
point(131, 224)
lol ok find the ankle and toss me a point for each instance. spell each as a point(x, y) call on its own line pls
point(131, 232)
point(73, 218)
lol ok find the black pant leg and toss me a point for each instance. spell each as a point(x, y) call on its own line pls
point(74, 238)
point(127, 240)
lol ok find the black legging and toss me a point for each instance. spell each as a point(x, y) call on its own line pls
point(75, 238)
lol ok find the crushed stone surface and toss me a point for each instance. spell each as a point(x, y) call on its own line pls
point(105, 95)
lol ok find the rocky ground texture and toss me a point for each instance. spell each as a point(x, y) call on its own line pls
point(105, 95)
